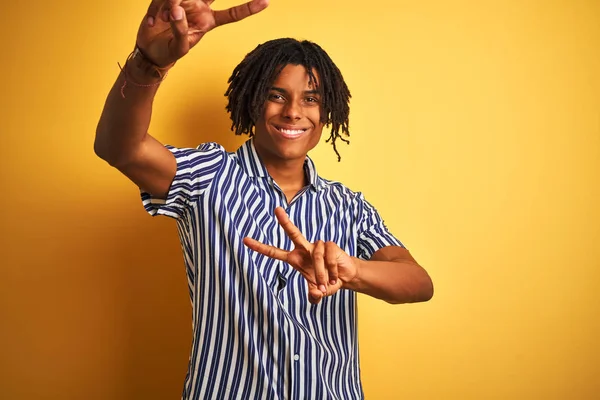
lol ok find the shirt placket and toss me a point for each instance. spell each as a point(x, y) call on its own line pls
point(279, 238)
point(296, 342)
point(299, 356)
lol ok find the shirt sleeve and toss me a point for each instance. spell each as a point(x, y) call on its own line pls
point(372, 234)
point(196, 169)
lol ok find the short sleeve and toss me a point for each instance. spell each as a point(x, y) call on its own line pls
point(372, 232)
point(196, 169)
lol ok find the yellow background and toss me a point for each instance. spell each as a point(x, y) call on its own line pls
point(475, 131)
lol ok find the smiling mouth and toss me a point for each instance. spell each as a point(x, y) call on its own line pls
point(290, 133)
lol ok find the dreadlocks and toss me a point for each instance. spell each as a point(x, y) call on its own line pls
point(252, 78)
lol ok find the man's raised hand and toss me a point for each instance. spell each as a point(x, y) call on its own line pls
point(324, 265)
point(171, 28)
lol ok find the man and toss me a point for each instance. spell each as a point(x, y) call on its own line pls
point(273, 296)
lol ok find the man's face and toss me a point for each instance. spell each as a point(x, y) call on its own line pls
point(291, 122)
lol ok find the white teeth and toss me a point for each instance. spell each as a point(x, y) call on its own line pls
point(292, 131)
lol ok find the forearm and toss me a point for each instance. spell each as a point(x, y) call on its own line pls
point(127, 112)
point(396, 282)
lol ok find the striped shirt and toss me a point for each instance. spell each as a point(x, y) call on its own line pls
point(255, 335)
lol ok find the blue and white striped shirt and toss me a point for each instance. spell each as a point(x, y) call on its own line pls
point(255, 335)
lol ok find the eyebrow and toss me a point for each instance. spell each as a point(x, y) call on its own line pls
point(281, 90)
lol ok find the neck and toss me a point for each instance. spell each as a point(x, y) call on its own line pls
point(289, 174)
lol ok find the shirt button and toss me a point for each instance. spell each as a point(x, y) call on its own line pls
point(296, 357)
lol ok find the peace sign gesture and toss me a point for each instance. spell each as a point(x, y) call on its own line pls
point(172, 27)
point(324, 265)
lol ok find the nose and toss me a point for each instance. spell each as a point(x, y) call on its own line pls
point(292, 110)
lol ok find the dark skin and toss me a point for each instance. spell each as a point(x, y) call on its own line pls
point(171, 28)
point(168, 31)
point(391, 274)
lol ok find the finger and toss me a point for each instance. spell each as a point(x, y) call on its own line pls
point(180, 46)
point(318, 257)
point(314, 294)
point(333, 289)
point(303, 265)
point(331, 263)
point(265, 249)
point(291, 230)
point(240, 12)
point(173, 10)
point(164, 10)
point(153, 11)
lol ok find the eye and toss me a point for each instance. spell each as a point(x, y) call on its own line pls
point(312, 100)
point(276, 97)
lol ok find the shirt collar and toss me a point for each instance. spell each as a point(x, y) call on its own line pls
point(251, 163)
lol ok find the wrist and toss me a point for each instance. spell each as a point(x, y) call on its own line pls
point(142, 70)
point(355, 282)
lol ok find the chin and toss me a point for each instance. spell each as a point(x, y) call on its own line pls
point(290, 154)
